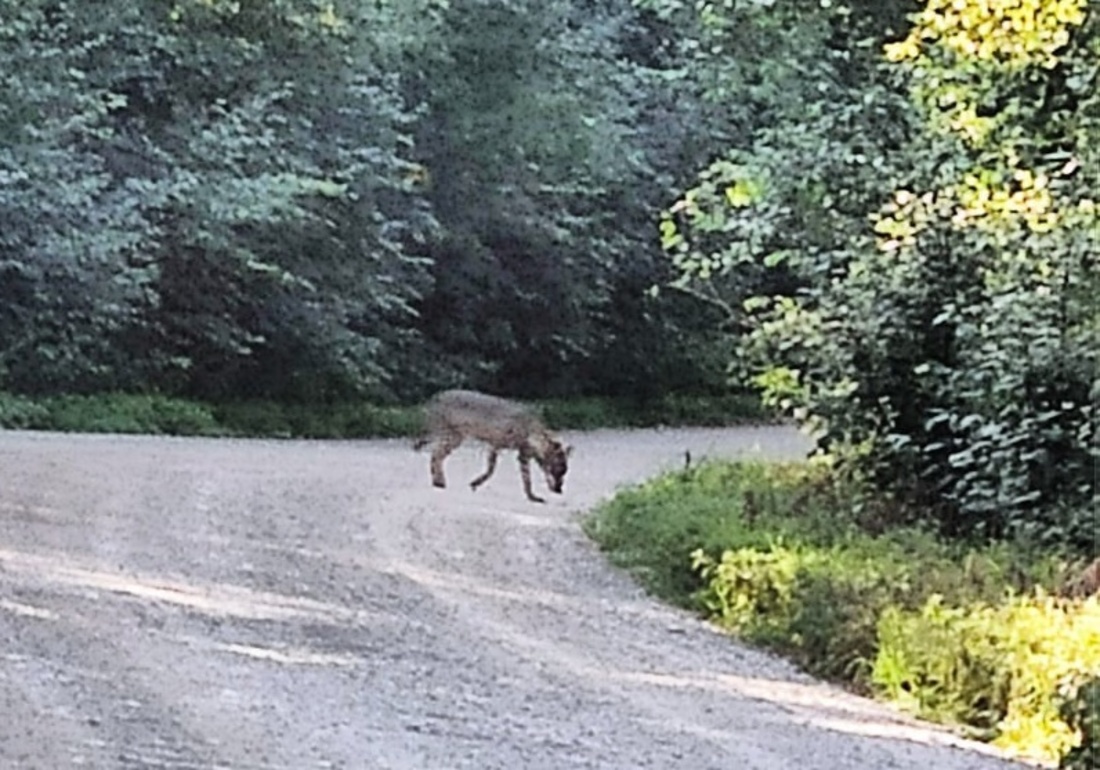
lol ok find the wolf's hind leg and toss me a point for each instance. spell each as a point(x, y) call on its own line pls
point(446, 444)
point(488, 471)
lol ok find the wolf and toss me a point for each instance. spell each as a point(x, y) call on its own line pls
point(455, 415)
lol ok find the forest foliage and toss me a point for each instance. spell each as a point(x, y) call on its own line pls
point(908, 255)
point(313, 201)
point(881, 214)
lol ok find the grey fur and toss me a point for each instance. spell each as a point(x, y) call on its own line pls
point(455, 415)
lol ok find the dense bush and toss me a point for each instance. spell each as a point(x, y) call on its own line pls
point(128, 414)
point(1000, 668)
point(782, 557)
point(109, 413)
point(947, 349)
point(669, 409)
point(21, 412)
point(821, 605)
point(652, 530)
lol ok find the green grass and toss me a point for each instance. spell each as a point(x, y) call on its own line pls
point(156, 414)
point(777, 552)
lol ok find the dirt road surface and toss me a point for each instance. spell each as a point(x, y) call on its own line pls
point(185, 603)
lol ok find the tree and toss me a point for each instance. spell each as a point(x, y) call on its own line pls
point(305, 200)
point(247, 162)
point(543, 134)
point(948, 350)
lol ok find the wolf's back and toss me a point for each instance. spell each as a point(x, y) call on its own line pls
point(479, 415)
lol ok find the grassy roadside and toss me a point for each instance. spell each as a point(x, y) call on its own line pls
point(155, 414)
point(968, 635)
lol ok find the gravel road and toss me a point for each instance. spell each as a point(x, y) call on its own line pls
point(190, 603)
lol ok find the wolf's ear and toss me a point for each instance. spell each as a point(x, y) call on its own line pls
point(568, 449)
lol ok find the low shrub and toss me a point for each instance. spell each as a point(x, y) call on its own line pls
point(780, 554)
point(254, 418)
point(817, 605)
point(587, 413)
point(19, 412)
point(652, 530)
point(714, 411)
point(821, 601)
point(109, 413)
point(321, 421)
point(1000, 668)
point(129, 413)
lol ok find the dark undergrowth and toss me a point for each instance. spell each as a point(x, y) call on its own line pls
point(157, 414)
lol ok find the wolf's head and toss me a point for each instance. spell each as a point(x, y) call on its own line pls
point(555, 464)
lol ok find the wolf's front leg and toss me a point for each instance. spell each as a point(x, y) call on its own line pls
point(525, 473)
